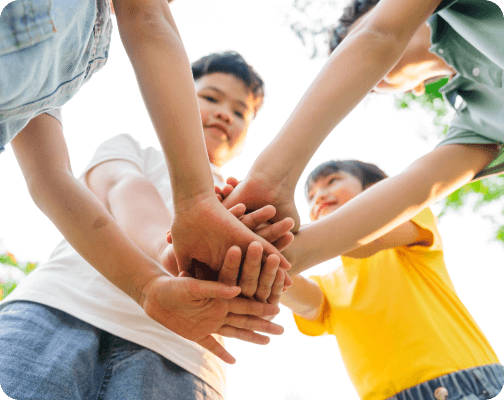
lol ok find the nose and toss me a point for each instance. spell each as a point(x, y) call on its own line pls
point(224, 115)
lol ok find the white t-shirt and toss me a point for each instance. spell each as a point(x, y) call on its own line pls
point(68, 283)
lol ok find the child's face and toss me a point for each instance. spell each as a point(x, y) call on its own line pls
point(330, 192)
point(227, 108)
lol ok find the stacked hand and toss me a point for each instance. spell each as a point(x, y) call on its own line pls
point(195, 309)
point(205, 231)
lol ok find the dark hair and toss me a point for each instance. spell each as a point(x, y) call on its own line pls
point(365, 172)
point(230, 62)
point(350, 14)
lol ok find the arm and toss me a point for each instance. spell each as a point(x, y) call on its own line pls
point(82, 219)
point(379, 210)
point(195, 308)
point(352, 71)
point(151, 39)
point(304, 298)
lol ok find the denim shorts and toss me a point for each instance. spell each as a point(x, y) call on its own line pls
point(48, 50)
point(47, 354)
point(478, 383)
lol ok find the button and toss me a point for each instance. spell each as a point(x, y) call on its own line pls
point(476, 72)
point(441, 393)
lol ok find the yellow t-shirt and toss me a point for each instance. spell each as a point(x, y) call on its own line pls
point(397, 318)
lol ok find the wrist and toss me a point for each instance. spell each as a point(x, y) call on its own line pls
point(147, 285)
point(184, 203)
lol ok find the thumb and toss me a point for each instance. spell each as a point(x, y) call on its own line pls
point(213, 290)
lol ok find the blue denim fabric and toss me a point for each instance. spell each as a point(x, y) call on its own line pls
point(479, 383)
point(48, 50)
point(49, 355)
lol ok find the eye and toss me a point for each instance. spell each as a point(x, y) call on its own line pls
point(239, 114)
point(210, 99)
point(332, 180)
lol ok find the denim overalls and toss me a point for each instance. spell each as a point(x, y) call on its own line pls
point(48, 49)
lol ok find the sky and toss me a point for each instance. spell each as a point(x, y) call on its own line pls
point(292, 366)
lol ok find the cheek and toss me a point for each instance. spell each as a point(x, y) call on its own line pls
point(204, 115)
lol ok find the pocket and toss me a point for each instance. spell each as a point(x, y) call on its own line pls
point(24, 23)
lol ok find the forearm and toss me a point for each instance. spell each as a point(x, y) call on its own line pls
point(93, 233)
point(365, 58)
point(141, 213)
point(304, 298)
point(164, 76)
point(387, 204)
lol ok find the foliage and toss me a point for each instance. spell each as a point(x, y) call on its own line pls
point(14, 272)
point(310, 21)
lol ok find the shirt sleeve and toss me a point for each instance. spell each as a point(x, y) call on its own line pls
point(120, 147)
point(426, 220)
point(316, 327)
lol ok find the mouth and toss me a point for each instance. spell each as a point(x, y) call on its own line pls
point(219, 130)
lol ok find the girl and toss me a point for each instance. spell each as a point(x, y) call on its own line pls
point(402, 331)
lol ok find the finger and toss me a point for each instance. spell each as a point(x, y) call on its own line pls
point(270, 249)
point(209, 290)
point(284, 241)
point(232, 181)
point(231, 267)
point(251, 269)
point(220, 198)
point(243, 334)
point(288, 281)
point(242, 306)
point(252, 323)
point(275, 231)
point(258, 217)
point(212, 345)
point(277, 287)
point(218, 190)
point(267, 278)
point(169, 237)
point(226, 190)
point(238, 210)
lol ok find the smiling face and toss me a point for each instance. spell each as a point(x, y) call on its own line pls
point(328, 193)
point(227, 107)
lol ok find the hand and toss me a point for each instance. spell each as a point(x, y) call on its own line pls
point(260, 189)
point(206, 230)
point(278, 233)
point(195, 309)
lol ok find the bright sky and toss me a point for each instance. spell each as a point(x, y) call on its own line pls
point(293, 366)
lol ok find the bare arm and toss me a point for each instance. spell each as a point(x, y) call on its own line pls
point(304, 298)
point(352, 71)
point(387, 205)
point(82, 219)
point(366, 55)
point(162, 68)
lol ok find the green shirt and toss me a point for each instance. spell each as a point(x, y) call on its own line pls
point(469, 36)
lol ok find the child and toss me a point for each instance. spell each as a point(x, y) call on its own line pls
point(402, 331)
point(48, 50)
point(97, 341)
point(386, 47)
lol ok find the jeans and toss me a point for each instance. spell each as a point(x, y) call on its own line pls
point(478, 383)
point(47, 354)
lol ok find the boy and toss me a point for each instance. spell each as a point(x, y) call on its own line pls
point(402, 331)
point(386, 47)
point(96, 340)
